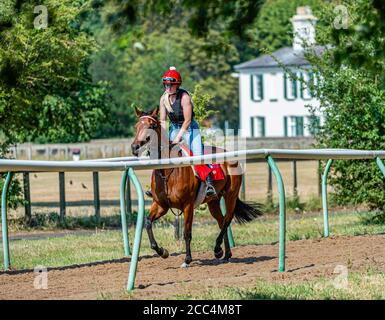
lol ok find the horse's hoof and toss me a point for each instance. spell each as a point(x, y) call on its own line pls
point(184, 265)
point(219, 254)
point(165, 254)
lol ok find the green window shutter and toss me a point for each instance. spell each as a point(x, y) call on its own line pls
point(285, 125)
point(252, 126)
point(306, 87)
point(256, 87)
point(260, 87)
point(299, 126)
point(294, 86)
point(251, 88)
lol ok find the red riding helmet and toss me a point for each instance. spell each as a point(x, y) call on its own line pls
point(172, 77)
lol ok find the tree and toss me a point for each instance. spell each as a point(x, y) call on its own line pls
point(352, 99)
point(135, 58)
point(369, 29)
point(46, 92)
point(232, 16)
point(273, 29)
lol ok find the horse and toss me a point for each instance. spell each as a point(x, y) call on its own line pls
point(178, 188)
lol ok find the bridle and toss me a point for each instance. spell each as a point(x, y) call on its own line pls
point(153, 125)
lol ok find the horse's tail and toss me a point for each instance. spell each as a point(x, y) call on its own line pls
point(246, 212)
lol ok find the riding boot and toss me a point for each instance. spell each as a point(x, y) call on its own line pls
point(210, 190)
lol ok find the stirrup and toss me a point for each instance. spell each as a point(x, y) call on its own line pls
point(148, 193)
point(210, 192)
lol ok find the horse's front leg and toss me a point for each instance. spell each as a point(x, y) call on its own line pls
point(188, 213)
point(156, 212)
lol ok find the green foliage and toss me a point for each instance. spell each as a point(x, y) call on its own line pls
point(373, 218)
point(201, 102)
point(202, 17)
point(135, 61)
point(272, 28)
point(314, 204)
point(45, 90)
point(295, 204)
point(352, 101)
point(14, 191)
point(363, 39)
point(7, 9)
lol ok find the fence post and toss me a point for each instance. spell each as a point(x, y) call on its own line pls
point(95, 176)
point(138, 230)
point(282, 213)
point(269, 186)
point(123, 217)
point(325, 198)
point(4, 221)
point(128, 202)
point(319, 179)
point(229, 231)
point(62, 196)
point(27, 198)
point(295, 184)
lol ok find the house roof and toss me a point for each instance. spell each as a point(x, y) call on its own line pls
point(287, 56)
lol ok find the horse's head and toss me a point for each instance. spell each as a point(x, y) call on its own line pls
point(146, 127)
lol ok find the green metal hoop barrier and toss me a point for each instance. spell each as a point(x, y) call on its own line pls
point(129, 173)
point(380, 165)
point(4, 221)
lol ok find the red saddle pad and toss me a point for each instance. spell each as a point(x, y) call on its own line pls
point(203, 170)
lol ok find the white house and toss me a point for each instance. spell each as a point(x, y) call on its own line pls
point(272, 104)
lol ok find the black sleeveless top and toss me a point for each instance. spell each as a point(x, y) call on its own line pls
point(177, 117)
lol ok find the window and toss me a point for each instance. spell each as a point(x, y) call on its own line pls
point(308, 81)
point(290, 87)
point(293, 126)
point(257, 126)
point(256, 87)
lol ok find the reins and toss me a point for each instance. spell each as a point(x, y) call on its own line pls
point(165, 180)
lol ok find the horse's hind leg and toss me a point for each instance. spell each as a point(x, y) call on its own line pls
point(188, 213)
point(216, 212)
point(156, 212)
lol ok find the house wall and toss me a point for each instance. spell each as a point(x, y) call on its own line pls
point(274, 106)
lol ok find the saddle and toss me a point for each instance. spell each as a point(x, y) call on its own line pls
point(201, 171)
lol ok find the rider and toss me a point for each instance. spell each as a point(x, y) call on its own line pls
point(176, 103)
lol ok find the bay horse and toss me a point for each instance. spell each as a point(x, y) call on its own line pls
point(178, 188)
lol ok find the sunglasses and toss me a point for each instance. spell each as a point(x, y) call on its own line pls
point(169, 79)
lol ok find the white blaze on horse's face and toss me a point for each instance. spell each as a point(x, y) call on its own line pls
point(144, 133)
point(146, 141)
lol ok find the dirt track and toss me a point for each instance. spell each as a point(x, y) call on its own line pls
point(162, 279)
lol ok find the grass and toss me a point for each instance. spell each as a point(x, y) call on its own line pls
point(107, 244)
point(363, 286)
